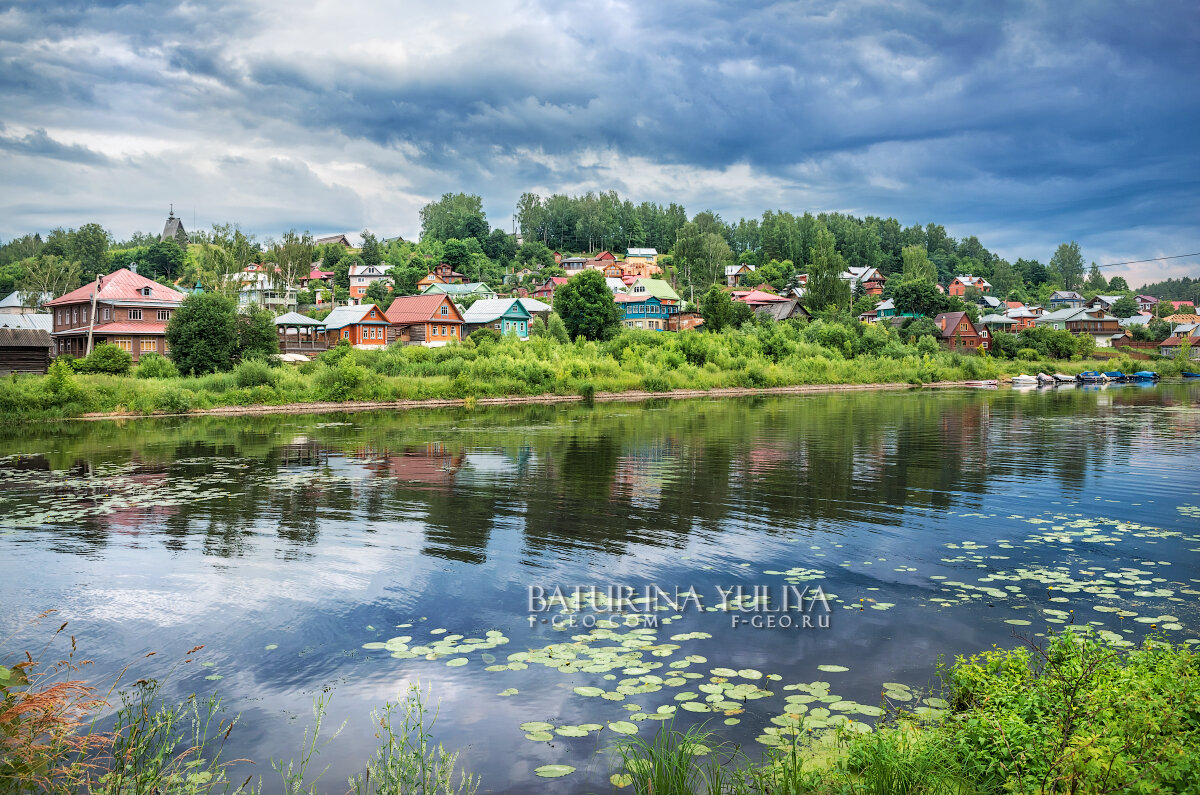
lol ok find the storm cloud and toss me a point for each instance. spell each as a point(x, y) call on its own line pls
point(1026, 124)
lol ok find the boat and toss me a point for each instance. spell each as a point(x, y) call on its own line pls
point(1115, 375)
point(1024, 380)
point(1045, 379)
point(1092, 377)
point(1144, 375)
point(1186, 374)
point(1062, 378)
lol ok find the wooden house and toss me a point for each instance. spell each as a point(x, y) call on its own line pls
point(361, 279)
point(958, 333)
point(960, 284)
point(364, 326)
point(648, 304)
point(431, 320)
point(24, 350)
point(121, 308)
point(504, 315)
point(546, 291)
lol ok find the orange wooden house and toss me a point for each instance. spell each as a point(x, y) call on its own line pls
point(364, 326)
point(430, 320)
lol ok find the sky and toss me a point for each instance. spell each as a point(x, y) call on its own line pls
point(1026, 124)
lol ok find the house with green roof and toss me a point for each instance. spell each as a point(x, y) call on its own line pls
point(458, 292)
point(648, 304)
point(505, 315)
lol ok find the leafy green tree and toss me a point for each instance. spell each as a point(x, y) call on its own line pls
point(163, 258)
point(457, 255)
point(404, 279)
point(256, 333)
point(1004, 278)
point(293, 258)
point(826, 287)
point(1159, 329)
point(1124, 307)
point(89, 247)
point(500, 246)
point(107, 358)
point(701, 255)
point(917, 265)
point(920, 327)
point(1085, 344)
point(917, 297)
point(587, 307)
point(1117, 284)
point(1067, 262)
point(47, 274)
point(202, 334)
point(455, 215)
point(716, 307)
point(557, 329)
point(1096, 283)
point(535, 255)
point(371, 252)
point(377, 293)
point(537, 327)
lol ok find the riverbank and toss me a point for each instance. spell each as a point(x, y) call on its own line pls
point(779, 359)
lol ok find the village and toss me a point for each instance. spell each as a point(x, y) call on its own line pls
point(130, 311)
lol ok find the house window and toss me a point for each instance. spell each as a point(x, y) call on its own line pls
point(124, 343)
point(146, 291)
point(372, 313)
point(135, 314)
point(74, 314)
point(164, 314)
point(149, 344)
point(107, 313)
point(496, 326)
point(445, 310)
point(345, 333)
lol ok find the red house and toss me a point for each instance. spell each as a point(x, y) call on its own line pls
point(546, 291)
point(606, 255)
point(960, 284)
point(122, 308)
point(430, 320)
point(958, 333)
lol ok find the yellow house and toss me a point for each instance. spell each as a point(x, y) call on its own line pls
point(641, 262)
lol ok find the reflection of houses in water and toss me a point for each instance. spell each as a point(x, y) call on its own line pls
point(500, 465)
point(642, 471)
point(302, 451)
point(432, 464)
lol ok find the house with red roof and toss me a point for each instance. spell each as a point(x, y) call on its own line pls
point(121, 308)
point(1183, 306)
point(756, 297)
point(431, 320)
point(362, 325)
point(606, 255)
point(958, 333)
point(546, 291)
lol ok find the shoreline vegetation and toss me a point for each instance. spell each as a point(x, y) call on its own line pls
point(768, 358)
point(1073, 711)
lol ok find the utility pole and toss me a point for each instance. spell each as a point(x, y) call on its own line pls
point(92, 316)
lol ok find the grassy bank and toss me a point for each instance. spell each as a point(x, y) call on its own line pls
point(1074, 715)
point(773, 355)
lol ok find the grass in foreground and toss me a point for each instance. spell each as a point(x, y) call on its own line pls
point(767, 355)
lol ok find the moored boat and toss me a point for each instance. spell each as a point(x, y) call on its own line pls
point(1024, 380)
point(1144, 375)
point(1045, 379)
point(1063, 378)
point(1186, 374)
point(1115, 375)
point(1092, 377)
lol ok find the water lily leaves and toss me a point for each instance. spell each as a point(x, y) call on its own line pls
point(623, 727)
point(553, 771)
point(726, 672)
point(749, 673)
point(620, 780)
point(271, 646)
point(832, 669)
point(541, 737)
point(1017, 622)
point(214, 677)
point(571, 731)
point(457, 662)
point(536, 726)
point(590, 691)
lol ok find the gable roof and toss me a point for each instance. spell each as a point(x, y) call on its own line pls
point(345, 241)
point(733, 270)
point(14, 299)
point(641, 252)
point(297, 319)
point(25, 338)
point(172, 228)
point(782, 310)
point(973, 281)
point(654, 287)
point(349, 315)
point(1066, 295)
point(366, 270)
point(488, 309)
point(532, 305)
point(758, 297)
point(123, 285)
point(409, 309)
point(457, 289)
point(1146, 299)
point(948, 323)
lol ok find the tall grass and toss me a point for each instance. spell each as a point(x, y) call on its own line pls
point(756, 356)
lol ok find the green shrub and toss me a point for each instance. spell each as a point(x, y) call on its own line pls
point(483, 335)
point(1028, 355)
point(60, 382)
point(174, 400)
point(253, 372)
point(588, 391)
point(108, 358)
point(151, 365)
point(656, 382)
point(342, 381)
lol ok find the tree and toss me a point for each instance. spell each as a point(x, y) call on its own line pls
point(587, 306)
point(456, 254)
point(716, 307)
point(1004, 278)
point(377, 293)
point(826, 287)
point(47, 275)
point(1096, 283)
point(1124, 307)
point(917, 297)
point(163, 258)
point(1117, 284)
point(500, 246)
point(108, 358)
point(455, 215)
point(202, 333)
point(917, 265)
point(921, 327)
point(371, 253)
point(535, 254)
point(1067, 262)
point(293, 256)
point(89, 247)
point(557, 329)
point(1159, 329)
point(256, 333)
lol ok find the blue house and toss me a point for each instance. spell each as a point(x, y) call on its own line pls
point(505, 315)
point(648, 304)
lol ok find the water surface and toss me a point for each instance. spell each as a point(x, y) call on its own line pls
point(938, 522)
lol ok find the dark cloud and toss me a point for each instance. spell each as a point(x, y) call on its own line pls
point(1060, 120)
point(40, 145)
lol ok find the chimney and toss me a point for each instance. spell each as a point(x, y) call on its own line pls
point(943, 322)
point(133, 267)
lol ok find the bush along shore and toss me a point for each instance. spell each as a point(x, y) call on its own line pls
point(1075, 712)
point(753, 356)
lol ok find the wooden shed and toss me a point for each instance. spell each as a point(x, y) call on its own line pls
point(24, 350)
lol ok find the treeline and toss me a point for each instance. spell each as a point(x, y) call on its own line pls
point(1182, 289)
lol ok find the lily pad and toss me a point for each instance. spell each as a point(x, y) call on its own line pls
point(832, 669)
point(553, 771)
point(623, 727)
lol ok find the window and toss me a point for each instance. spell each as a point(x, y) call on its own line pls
point(445, 310)
point(74, 314)
point(85, 314)
point(164, 314)
point(149, 345)
point(124, 343)
point(345, 333)
point(372, 314)
point(107, 313)
point(135, 314)
point(146, 291)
